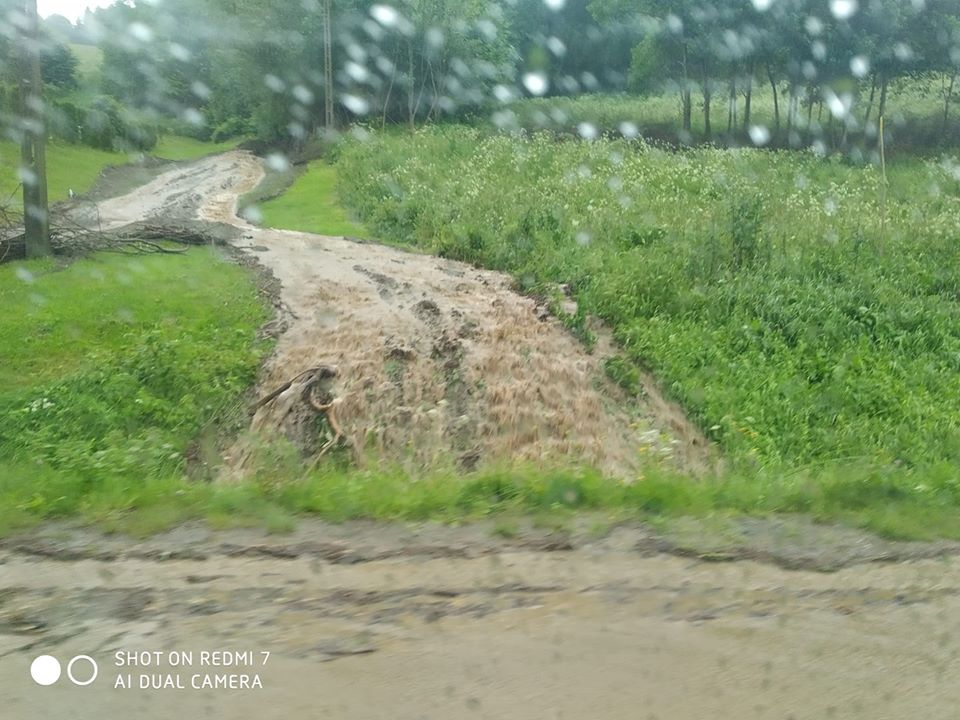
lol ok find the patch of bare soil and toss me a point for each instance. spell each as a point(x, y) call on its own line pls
point(438, 364)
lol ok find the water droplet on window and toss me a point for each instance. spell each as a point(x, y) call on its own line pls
point(356, 105)
point(141, 32)
point(385, 15)
point(278, 162)
point(860, 66)
point(274, 83)
point(843, 9)
point(252, 214)
point(556, 46)
point(629, 130)
point(536, 83)
point(759, 135)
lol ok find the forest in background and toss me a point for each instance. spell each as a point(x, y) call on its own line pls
point(217, 69)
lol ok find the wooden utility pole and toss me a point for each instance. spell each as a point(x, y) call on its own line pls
point(328, 65)
point(33, 145)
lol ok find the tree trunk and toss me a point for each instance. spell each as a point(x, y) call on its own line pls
point(873, 92)
point(732, 107)
point(393, 79)
point(33, 149)
point(948, 95)
point(791, 106)
point(685, 94)
point(776, 99)
point(748, 98)
point(882, 109)
point(707, 94)
point(411, 111)
point(328, 116)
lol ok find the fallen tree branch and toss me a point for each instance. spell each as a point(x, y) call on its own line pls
point(310, 379)
point(71, 237)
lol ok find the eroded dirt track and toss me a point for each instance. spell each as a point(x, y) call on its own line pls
point(387, 621)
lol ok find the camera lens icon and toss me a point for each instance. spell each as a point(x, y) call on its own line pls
point(82, 670)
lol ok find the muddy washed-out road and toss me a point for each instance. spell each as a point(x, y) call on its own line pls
point(786, 620)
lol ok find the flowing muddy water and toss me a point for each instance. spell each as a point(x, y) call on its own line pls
point(390, 621)
point(439, 363)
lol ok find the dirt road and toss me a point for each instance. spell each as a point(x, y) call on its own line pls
point(366, 621)
point(400, 623)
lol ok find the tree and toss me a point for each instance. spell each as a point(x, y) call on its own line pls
point(33, 165)
point(59, 66)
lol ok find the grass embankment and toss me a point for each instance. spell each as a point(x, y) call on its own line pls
point(311, 204)
point(69, 167)
point(109, 370)
point(816, 343)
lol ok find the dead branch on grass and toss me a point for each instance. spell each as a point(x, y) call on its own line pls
point(309, 380)
point(71, 237)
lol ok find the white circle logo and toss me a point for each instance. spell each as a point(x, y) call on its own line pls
point(45, 670)
point(93, 676)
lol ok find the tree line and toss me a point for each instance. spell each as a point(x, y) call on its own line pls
point(215, 69)
point(846, 53)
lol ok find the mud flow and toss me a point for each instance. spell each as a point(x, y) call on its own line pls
point(431, 360)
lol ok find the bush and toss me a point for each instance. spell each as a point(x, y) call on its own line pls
point(231, 128)
point(103, 124)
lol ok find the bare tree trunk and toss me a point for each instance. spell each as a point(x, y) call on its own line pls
point(873, 92)
point(732, 106)
point(393, 79)
point(947, 97)
point(328, 116)
point(748, 98)
point(882, 109)
point(411, 111)
point(685, 94)
point(707, 95)
point(776, 98)
point(33, 144)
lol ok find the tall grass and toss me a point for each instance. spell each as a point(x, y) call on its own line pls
point(751, 282)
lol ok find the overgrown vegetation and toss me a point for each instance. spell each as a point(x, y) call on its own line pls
point(765, 289)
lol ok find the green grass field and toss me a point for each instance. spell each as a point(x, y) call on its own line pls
point(311, 204)
point(110, 368)
point(175, 147)
point(89, 60)
point(68, 166)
